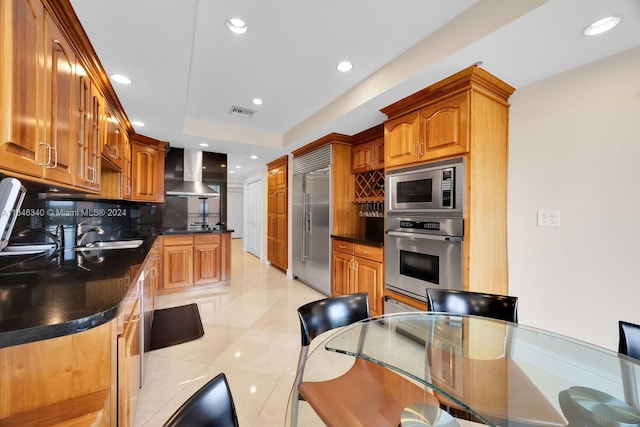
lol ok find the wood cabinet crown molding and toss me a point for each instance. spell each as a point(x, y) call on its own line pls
point(280, 161)
point(471, 77)
point(368, 134)
point(332, 138)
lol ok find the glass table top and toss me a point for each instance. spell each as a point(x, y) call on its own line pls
point(500, 372)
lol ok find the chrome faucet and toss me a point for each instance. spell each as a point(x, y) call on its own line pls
point(82, 232)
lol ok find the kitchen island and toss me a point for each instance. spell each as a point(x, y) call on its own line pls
point(72, 332)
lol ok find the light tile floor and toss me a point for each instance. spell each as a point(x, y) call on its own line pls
point(252, 334)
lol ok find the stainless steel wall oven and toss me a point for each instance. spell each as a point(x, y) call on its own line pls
point(425, 228)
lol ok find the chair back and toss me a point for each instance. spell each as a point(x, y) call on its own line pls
point(495, 306)
point(323, 315)
point(629, 339)
point(212, 405)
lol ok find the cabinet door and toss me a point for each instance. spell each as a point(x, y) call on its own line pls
point(369, 278)
point(21, 77)
point(378, 153)
point(226, 256)
point(444, 127)
point(60, 107)
point(401, 138)
point(281, 177)
point(126, 166)
point(129, 353)
point(207, 268)
point(281, 229)
point(362, 157)
point(177, 266)
point(342, 274)
point(112, 147)
point(147, 173)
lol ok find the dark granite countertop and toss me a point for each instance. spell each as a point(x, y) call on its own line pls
point(169, 231)
point(48, 295)
point(360, 238)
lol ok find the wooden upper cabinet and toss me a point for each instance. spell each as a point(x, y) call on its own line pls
point(90, 132)
point(444, 127)
point(401, 140)
point(112, 148)
point(361, 157)
point(147, 169)
point(126, 167)
point(21, 87)
point(60, 107)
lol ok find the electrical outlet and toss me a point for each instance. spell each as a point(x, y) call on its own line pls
point(548, 218)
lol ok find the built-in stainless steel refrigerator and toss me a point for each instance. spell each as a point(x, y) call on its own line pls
point(312, 220)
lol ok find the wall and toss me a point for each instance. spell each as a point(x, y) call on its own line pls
point(575, 147)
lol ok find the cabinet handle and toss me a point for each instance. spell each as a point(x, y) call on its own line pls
point(421, 151)
point(366, 252)
point(415, 150)
point(342, 246)
point(48, 147)
point(93, 170)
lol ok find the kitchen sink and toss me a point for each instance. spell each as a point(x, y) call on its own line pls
point(110, 245)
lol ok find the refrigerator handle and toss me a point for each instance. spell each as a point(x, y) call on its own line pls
point(305, 226)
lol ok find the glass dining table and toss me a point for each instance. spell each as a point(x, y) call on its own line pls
point(484, 371)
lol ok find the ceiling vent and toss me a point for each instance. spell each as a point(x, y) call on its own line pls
point(241, 111)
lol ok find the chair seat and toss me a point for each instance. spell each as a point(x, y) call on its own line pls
point(366, 395)
point(514, 397)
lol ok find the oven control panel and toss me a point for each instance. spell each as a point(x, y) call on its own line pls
point(420, 225)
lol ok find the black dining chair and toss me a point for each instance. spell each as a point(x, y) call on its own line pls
point(367, 394)
point(629, 339)
point(495, 306)
point(212, 405)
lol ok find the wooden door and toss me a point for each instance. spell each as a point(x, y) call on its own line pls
point(60, 107)
point(126, 166)
point(362, 157)
point(112, 147)
point(444, 127)
point(378, 154)
point(281, 231)
point(225, 256)
point(369, 278)
point(206, 263)
point(146, 173)
point(21, 80)
point(342, 273)
point(401, 140)
point(177, 266)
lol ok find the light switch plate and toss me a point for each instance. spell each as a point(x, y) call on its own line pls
point(548, 218)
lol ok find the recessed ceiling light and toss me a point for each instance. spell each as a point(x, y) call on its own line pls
point(204, 145)
point(253, 156)
point(257, 101)
point(602, 25)
point(136, 123)
point(344, 66)
point(231, 171)
point(238, 167)
point(223, 165)
point(237, 25)
point(119, 78)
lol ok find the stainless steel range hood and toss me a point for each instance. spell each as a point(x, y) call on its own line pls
point(192, 185)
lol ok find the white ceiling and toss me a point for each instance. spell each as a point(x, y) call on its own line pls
point(188, 70)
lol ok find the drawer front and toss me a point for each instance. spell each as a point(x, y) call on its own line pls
point(342, 246)
point(181, 239)
point(206, 239)
point(373, 253)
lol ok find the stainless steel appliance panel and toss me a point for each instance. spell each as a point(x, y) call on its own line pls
point(436, 189)
point(423, 253)
point(311, 226)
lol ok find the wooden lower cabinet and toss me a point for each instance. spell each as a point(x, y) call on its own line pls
point(60, 381)
point(358, 268)
point(195, 260)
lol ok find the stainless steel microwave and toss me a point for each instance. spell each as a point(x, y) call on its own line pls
point(434, 187)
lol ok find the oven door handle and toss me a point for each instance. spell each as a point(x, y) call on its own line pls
point(424, 236)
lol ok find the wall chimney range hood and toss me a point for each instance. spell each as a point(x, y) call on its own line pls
point(192, 185)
